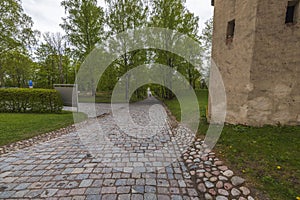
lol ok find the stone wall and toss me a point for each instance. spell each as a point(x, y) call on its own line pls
point(261, 65)
point(234, 59)
point(275, 71)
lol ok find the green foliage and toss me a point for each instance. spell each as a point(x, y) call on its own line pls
point(173, 15)
point(54, 62)
point(139, 94)
point(17, 69)
point(207, 33)
point(123, 16)
point(58, 57)
point(126, 15)
point(84, 25)
point(17, 40)
point(30, 101)
point(206, 40)
point(108, 79)
point(15, 27)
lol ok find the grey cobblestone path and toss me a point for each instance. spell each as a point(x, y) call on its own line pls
point(114, 165)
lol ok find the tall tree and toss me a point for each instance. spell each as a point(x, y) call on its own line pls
point(16, 32)
point(206, 39)
point(15, 27)
point(206, 36)
point(124, 15)
point(54, 61)
point(172, 15)
point(57, 46)
point(46, 70)
point(84, 26)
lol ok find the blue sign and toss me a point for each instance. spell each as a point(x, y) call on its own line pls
point(30, 83)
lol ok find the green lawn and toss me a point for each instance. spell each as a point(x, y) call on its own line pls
point(268, 157)
point(101, 97)
point(16, 126)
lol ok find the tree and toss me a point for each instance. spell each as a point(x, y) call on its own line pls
point(84, 26)
point(46, 70)
point(54, 61)
point(17, 69)
point(16, 34)
point(173, 15)
point(124, 15)
point(15, 27)
point(206, 39)
point(108, 79)
point(206, 36)
point(57, 46)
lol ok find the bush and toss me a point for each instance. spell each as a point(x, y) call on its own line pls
point(15, 100)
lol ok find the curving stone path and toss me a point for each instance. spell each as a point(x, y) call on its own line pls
point(122, 161)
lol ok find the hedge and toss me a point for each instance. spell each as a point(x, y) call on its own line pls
point(16, 100)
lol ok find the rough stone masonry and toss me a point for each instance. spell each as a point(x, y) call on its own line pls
point(256, 46)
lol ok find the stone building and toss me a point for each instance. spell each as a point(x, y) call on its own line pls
point(256, 46)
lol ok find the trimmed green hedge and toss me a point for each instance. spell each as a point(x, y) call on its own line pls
point(26, 100)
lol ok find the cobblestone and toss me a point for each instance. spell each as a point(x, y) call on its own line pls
point(61, 166)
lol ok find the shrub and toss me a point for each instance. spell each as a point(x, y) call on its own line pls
point(17, 100)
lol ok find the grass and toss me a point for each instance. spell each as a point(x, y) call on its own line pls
point(268, 157)
point(101, 97)
point(17, 126)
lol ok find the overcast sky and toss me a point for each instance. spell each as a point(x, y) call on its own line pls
point(47, 14)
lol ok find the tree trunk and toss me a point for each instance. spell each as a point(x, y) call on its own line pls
point(127, 77)
point(1, 77)
point(93, 89)
point(190, 77)
point(61, 73)
point(169, 79)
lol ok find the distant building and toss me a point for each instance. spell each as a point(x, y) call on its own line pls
point(256, 46)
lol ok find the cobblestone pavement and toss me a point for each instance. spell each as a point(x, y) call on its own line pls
point(120, 162)
point(91, 111)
